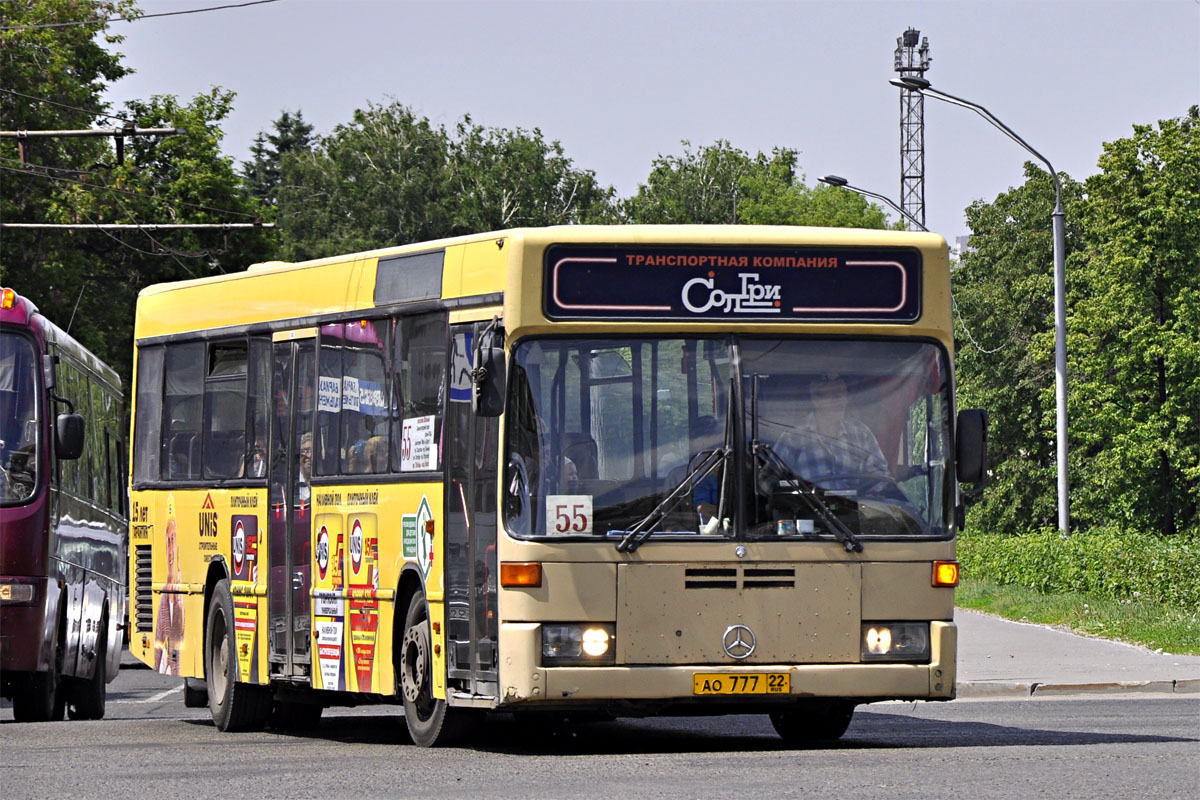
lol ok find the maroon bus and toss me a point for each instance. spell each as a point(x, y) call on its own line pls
point(64, 521)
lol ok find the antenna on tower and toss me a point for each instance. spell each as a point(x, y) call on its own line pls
point(912, 61)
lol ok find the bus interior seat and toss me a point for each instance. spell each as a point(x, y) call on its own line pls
point(581, 448)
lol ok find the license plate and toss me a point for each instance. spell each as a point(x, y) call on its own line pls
point(742, 683)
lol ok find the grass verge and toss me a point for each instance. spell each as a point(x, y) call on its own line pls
point(1145, 622)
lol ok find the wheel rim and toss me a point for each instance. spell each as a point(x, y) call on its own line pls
point(219, 669)
point(415, 674)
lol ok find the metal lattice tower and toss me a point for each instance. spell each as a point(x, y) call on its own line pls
point(912, 61)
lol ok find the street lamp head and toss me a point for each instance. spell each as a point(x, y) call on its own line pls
point(910, 82)
point(834, 180)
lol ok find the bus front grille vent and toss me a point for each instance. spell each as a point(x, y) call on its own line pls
point(739, 578)
point(143, 601)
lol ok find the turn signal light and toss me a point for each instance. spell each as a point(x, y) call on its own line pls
point(521, 574)
point(945, 573)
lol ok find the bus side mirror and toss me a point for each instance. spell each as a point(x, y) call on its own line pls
point(487, 393)
point(971, 446)
point(68, 436)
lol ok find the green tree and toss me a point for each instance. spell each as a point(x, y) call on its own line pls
point(174, 179)
point(1135, 344)
point(391, 177)
point(261, 173)
point(1004, 339)
point(720, 184)
point(88, 280)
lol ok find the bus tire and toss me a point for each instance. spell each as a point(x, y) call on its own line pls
point(42, 698)
point(234, 706)
point(819, 722)
point(88, 695)
point(430, 721)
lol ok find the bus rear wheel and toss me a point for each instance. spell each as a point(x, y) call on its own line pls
point(234, 706)
point(817, 722)
point(429, 720)
point(88, 695)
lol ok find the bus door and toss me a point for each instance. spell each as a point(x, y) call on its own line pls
point(289, 529)
point(471, 460)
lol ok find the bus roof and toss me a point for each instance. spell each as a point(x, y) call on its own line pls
point(346, 283)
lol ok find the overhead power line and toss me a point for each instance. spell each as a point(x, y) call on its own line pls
point(48, 101)
point(137, 226)
point(101, 20)
point(118, 135)
point(44, 172)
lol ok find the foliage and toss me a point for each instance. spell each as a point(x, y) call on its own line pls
point(1004, 340)
point(720, 184)
point(1108, 563)
point(390, 177)
point(88, 280)
point(1133, 254)
point(1135, 345)
point(261, 173)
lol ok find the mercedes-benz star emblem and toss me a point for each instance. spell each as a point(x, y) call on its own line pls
point(738, 641)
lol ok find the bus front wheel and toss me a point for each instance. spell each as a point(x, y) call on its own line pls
point(820, 721)
point(42, 698)
point(429, 720)
point(234, 706)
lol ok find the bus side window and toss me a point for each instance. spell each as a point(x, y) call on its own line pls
point(419, 378)
point(225, 410)
point(182, 400)
point(146, 431)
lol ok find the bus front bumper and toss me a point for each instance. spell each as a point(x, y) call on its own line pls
point(24, 624)
point(672, 687)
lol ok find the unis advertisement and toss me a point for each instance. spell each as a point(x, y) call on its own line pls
point(362, 538)
point(764, 283)
point(243, 550)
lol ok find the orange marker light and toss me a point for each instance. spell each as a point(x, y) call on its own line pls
point(517, 574)
point(8, 298)
point(945, 573)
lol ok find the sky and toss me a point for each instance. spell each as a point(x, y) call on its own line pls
point(619, 83)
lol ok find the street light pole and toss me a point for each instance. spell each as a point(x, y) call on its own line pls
point(842, 183)
point(1058, 222)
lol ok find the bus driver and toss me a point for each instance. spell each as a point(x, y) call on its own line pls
point(830, 448)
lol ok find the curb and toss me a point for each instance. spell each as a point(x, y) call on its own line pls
point(977, 690)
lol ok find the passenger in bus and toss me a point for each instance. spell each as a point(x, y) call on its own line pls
point(258, 460)
point(569, 476)
point(829, 447)
point(304, 474)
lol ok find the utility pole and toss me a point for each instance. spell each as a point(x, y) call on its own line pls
point(911, 61)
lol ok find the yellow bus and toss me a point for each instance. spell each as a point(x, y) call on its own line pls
point(609, 470)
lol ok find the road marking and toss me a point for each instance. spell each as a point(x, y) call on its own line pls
point(158, 698)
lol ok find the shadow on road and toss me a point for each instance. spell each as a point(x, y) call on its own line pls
point(870, 730)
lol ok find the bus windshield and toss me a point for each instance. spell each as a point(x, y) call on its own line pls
point(736, 437)
point(18, 419)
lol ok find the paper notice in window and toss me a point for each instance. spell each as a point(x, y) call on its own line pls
point(418, 448)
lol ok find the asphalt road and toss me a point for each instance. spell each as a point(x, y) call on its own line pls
point(149, 745)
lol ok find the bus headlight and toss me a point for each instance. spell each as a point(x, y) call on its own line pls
point(576, 643)
point(895, 641)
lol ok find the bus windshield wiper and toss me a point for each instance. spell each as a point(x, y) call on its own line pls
point(643, 529)
point(810, 494)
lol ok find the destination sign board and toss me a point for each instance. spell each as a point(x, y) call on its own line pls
point(767, 283)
